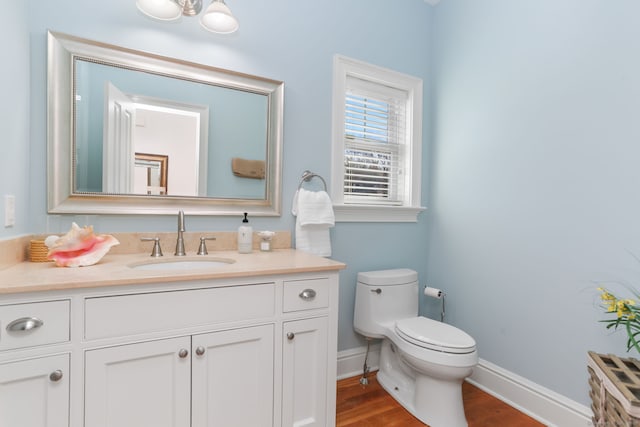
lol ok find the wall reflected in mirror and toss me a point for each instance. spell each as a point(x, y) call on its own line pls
point(201, 127)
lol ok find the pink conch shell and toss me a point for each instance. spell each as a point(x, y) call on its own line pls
point(80, 247)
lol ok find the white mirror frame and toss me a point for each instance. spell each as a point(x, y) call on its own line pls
point(62, 51)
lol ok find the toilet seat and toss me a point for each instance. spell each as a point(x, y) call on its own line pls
point(437, 336)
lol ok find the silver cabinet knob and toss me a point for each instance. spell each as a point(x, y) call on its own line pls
point(183, 353)
point(290, 336)
point(24, 324)
point(200, 350)
point(55, 375)
point(307, 294)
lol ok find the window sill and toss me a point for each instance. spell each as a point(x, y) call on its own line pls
point(368, 213)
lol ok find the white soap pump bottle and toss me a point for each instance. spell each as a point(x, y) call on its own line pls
point(245, 236)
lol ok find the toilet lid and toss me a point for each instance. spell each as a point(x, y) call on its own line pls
point(434, 335)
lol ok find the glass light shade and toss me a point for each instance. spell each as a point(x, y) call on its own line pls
point(219, 19)
point(164, 10)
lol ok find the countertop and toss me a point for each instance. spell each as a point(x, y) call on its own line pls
point(115, 270)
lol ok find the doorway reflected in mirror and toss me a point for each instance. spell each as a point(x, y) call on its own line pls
point(151, 172)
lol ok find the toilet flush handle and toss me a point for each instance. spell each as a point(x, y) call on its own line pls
point(377, 291)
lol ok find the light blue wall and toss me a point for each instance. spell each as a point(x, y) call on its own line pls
point(535, 177)
point(293, 41)
point(14, 115)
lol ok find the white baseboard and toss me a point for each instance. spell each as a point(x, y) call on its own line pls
point(540, 403)
point(351, 362)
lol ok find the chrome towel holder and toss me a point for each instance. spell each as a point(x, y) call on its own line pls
point(308, 175)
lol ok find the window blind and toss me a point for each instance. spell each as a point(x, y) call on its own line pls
point(374, 143)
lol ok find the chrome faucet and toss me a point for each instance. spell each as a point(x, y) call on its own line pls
point(180, 243)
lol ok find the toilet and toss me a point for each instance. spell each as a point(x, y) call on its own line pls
point(422, 361)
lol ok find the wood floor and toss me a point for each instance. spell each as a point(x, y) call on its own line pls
point(371, 406)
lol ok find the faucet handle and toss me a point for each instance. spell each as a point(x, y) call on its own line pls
point(202, 249)
point(157, 250)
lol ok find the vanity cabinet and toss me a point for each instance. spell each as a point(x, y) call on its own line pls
point(139, 384)
point(203, 380)
point(233, 378)
point(305, 361)
point(200, 380)
point(255, 351)
point(304, 373)
point(35, 392)
point(34, 382)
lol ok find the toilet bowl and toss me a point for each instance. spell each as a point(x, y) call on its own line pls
point(422, 362)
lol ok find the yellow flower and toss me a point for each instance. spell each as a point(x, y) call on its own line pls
point(606, 296)
point(626, 312)
point(621, 307)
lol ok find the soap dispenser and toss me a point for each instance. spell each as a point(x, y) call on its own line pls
point(245, 236)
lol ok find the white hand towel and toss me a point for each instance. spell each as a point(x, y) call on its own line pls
point(314, 239)
point(314, 208)
point(314, 216)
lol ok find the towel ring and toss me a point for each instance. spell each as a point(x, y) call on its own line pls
point(308, 175)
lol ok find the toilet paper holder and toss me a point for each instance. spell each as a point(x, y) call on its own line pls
point(438, 294)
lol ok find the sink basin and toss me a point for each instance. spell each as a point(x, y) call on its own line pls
point(182, 264)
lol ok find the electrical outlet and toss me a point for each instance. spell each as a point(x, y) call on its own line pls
point(9, 210)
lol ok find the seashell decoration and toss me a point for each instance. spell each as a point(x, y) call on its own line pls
point(80, 247)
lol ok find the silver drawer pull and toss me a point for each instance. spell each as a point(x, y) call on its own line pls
point(307, 294)
point(24, 324)
point(56, 375)
point(290, 336)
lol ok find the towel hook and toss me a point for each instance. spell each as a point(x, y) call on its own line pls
point(308, 175)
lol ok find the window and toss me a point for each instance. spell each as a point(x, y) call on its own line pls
point(377, 138)
point(374, 142)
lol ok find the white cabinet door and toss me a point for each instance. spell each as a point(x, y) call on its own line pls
point(143, 384)
point(233, 378)
point(35, 393)
point(304, 373)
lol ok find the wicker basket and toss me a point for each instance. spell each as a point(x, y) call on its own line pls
point(38, 251)
point(615, 390)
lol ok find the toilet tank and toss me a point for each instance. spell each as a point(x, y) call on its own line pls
point(384, 296)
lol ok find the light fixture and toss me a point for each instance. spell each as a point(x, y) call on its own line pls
point(164, 10)
point(217, 17)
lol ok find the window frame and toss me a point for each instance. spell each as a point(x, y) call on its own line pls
point(344, 67)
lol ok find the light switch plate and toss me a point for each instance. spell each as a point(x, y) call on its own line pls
point(9, 210)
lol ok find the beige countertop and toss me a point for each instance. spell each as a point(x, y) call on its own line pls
point(115, 270)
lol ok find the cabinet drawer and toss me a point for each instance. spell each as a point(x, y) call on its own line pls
point(32, 324)
point(122, 315)
point(305, 294)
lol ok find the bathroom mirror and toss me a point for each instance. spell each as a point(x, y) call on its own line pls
point(131, 132)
